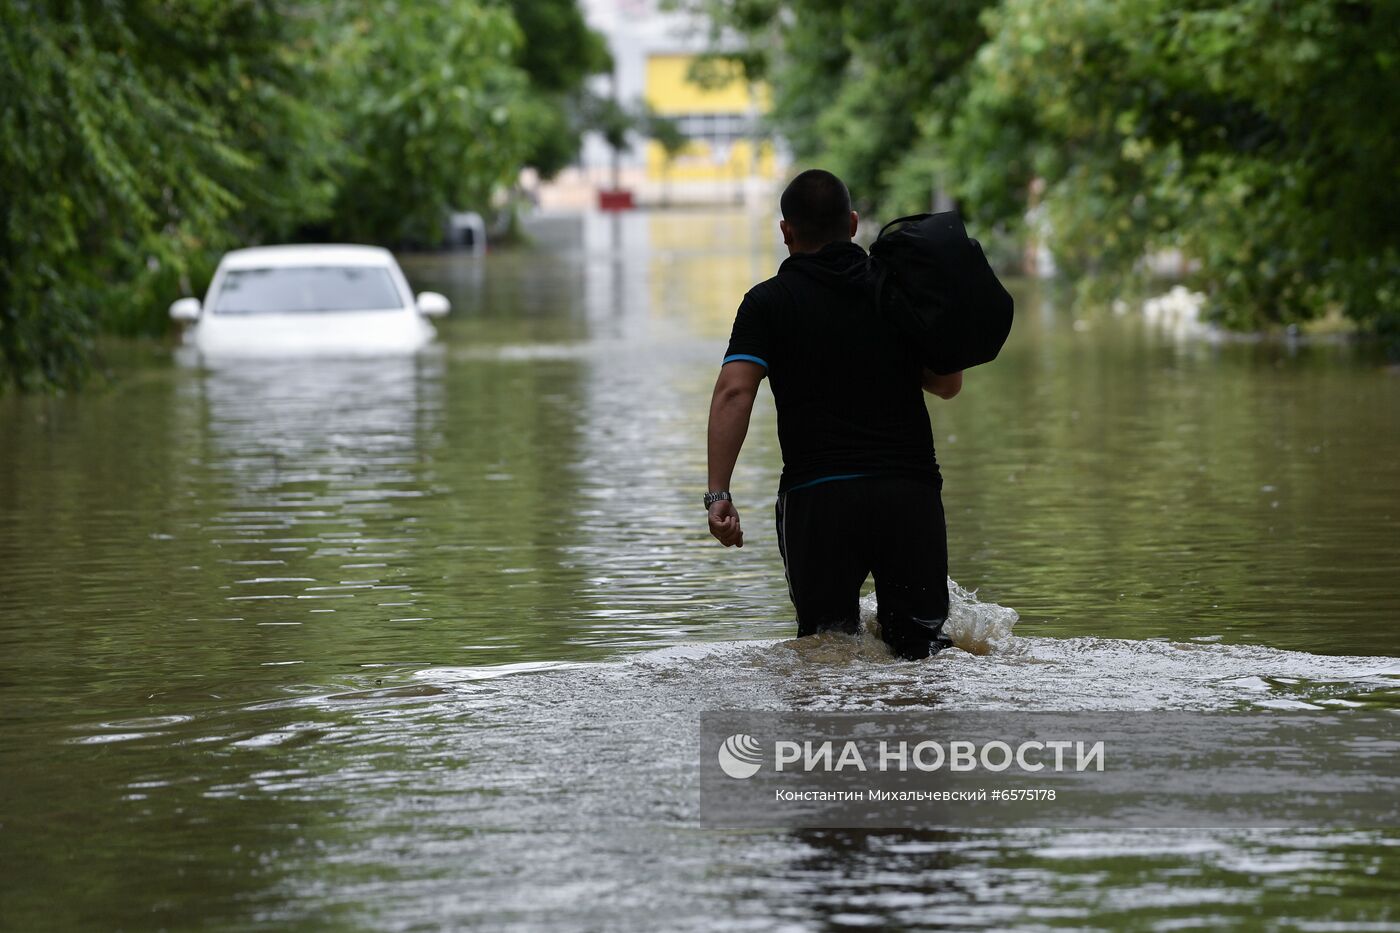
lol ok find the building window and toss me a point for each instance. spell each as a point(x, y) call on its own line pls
point(715, 128)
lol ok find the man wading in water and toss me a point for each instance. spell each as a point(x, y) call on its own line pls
point(860, 487)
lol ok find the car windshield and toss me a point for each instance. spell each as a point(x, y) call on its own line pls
point(300, 289)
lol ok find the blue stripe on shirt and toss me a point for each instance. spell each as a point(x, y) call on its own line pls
point(827, 479)
point(744, 356)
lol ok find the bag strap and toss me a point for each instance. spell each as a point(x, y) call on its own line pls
point(902, 220)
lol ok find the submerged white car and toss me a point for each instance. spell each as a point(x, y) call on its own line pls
point(320, 300)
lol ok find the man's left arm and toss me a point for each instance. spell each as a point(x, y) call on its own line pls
point(945, 386)
point(730, 408)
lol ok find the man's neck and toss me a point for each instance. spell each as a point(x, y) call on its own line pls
point(797, 249)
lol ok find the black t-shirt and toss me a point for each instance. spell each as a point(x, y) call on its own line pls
point(849, 392)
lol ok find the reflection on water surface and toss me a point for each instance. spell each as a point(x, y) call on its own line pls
point(422, 641)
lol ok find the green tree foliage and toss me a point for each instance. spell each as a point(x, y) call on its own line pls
point(559, 53)
point(664, 131)
point(135, 138)
point(428, 97)
point(139, 140)
point(1262, 138)
point(619, 124)
point(857, 84)
point(1259, 137)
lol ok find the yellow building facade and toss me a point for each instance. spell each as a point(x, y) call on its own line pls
point(720, 120)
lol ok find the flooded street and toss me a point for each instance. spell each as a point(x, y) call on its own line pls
point(400, 644)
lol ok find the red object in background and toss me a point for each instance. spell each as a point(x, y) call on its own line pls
point(618, 199)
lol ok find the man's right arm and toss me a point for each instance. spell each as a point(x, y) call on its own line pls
point(730, 408)
point(945, 386)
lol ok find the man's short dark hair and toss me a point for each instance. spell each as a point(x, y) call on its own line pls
point(817, 206)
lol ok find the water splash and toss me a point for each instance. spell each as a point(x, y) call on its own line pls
point(974, 626)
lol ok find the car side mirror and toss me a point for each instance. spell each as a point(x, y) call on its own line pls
point(186, 309)
point(431, 304)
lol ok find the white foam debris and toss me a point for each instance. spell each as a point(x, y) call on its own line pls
point(1178, 312)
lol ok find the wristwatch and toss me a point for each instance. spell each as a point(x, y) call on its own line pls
point(712, 497)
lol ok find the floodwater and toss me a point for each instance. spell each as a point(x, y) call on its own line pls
point(423, 643)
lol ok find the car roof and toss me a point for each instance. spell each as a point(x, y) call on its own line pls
point(328, 254)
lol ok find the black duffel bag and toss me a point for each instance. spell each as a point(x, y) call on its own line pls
point(936, 287)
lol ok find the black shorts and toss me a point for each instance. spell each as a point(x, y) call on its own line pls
point(832, 535)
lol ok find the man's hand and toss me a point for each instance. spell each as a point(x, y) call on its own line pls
point(724, 524)
point(942, 386)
